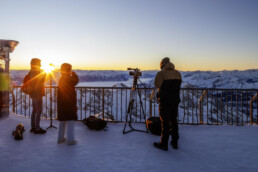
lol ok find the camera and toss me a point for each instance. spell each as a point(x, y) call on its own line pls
point(135, 72)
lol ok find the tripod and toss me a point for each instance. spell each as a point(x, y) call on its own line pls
point(133, 95)
point(51, 98)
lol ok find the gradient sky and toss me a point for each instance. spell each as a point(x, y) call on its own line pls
point(116, 34)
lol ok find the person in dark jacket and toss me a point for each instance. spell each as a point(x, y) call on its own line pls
point(37, 80)
point(66, 103)
point(168, 81)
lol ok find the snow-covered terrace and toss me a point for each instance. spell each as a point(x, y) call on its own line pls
point(201, 148)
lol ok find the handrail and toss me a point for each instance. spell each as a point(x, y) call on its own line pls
point(251, 108)
point(152, 95)
point(222, 106)
point(201, 107)
point(203, 89)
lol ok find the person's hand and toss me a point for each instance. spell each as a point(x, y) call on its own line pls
point(73, 73)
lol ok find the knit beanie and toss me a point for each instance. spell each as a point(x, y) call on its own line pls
point(35, 62)
point(164, 61)
point(66, 68)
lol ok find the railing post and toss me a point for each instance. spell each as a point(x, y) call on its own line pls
point(13, 99)
point(204, 93)
point(251, 108)
point(150, 108)
point(151, 97)
point(51, 98)
point(103, 103)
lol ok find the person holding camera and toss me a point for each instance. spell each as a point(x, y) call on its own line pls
point(66, 104)
point(168, 81)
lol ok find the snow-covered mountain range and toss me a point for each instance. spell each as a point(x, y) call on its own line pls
point(247, 79)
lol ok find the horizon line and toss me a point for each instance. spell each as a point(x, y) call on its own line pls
point(155, 70)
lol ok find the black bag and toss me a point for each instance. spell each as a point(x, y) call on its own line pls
point(95, 123)
point(18, 132)
point(154, 125)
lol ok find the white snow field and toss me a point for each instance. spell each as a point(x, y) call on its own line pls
point(201, 148)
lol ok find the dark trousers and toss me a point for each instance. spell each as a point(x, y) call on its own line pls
point(168, 117)
point(36, 112)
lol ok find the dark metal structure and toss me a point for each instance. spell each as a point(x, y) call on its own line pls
point(6, 47)
point(198, 105)
point(51, 102)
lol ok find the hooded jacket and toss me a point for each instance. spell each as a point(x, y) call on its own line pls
point(66, 98)
point(37, 81)
point(168, 81)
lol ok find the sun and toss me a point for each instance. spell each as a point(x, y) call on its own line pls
point(48, 68)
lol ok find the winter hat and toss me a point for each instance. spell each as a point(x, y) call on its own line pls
point(35, 62)
point(66, 68)
point(164, 61)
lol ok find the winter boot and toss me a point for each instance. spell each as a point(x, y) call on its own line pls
point(40, 131)
point(61, 141)
point(174, 144)
point(71, 142)
point(160, 146)
point(32, 130)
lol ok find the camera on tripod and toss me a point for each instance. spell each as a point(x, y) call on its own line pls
point(135, 72)
point(132, 106)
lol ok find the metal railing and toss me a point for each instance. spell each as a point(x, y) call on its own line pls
point(198, 106)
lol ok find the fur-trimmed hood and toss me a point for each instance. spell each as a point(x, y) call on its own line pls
point(168, 66)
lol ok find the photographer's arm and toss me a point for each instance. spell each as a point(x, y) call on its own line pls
point(158, 80)
point(74, 78)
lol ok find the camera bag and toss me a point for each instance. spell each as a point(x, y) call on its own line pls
point(154, 125)
point(94, 123)
point(18, 132)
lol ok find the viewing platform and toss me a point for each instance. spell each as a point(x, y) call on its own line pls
point(201, 148)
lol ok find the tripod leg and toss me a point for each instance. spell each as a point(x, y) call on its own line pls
point(51, 123)
point(125, 123)
point(129, 113)
point(129, 110)
point(141, 107)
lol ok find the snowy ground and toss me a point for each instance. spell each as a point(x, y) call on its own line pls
point(201, 148)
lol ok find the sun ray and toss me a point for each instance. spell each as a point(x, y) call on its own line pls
point(48, 68)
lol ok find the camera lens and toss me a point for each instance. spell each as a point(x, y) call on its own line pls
point(131, 73)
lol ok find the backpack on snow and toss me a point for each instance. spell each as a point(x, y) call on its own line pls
point(95, 123)
point(154, 125)
point(18, 132)
point(27, 87)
